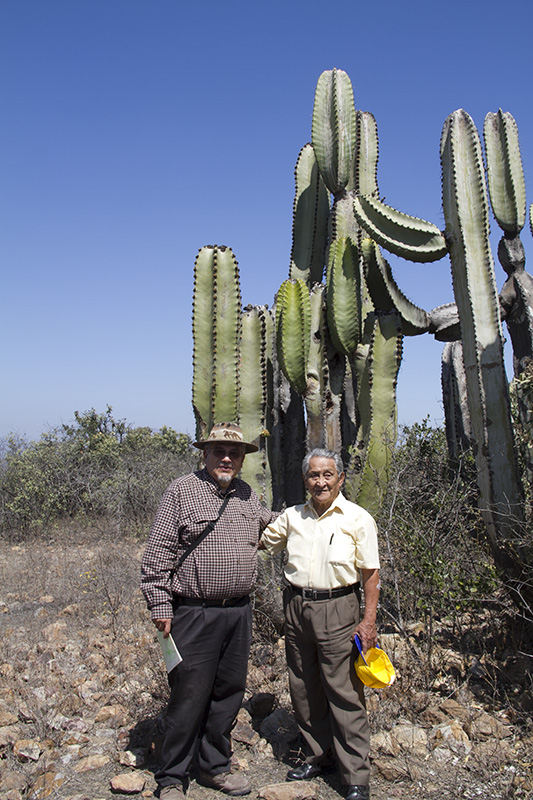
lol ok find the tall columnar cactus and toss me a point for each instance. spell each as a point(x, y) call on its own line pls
point(467, 230)
point(256, 396)
point(508, 199)
point(337, 347)
point(216, 334)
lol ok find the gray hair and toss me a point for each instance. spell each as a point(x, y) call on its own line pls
point(320, 452)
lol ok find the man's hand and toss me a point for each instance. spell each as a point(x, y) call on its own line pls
point(163, 625)
point(367, 633)
point(366, 630)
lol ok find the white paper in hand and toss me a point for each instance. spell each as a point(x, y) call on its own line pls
point(170, 652)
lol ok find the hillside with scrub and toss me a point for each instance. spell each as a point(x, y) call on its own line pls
point(83, 682)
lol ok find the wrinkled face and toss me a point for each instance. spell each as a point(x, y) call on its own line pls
point(224, 462)
point(323, 482)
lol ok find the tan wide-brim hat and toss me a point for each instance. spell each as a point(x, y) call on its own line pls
point(226, 433)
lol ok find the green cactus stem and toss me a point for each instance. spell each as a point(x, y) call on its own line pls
point(368, 475)
point(344, 296)
point(385, 293)
point(505, 176)
point(454, 394)
point(293, 330)
point(365, 163)
point(316, 373)
point(310, 220)
point(216, 333)
point(405, 236)
point(255, 398)
point(467, 231)
point(334, 129)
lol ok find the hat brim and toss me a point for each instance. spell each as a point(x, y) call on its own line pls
point(248, 448)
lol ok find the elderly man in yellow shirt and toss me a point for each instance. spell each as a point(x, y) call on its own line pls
point(332, 553)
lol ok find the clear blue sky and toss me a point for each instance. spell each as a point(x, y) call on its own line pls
point(135, 131)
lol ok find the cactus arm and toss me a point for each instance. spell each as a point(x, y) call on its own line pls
point(202, 326)
point(466, 214)
point(253, 400)
point(365, 164)
point(344, 296)
point(377, 401)
point(405, 236)
point(226, 335)
point(444, 323)
point(310, 218)
point(385, 293)
point(507, 189)
point(293, 331)
point(334, 129)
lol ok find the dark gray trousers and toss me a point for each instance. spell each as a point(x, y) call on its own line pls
point(327, 696)
point(206, 689)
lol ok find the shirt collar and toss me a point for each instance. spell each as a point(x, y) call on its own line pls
point(339, 504)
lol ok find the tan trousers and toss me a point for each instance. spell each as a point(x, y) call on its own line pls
point(327, 697)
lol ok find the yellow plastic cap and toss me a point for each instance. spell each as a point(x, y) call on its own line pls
point(378, 671)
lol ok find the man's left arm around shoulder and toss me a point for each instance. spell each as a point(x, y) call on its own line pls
point(366, 629)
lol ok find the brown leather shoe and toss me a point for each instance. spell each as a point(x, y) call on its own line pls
point(232, 783)
point(174, 792)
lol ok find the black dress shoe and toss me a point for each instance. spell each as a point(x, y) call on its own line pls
point(305, 772)
point(358, 793)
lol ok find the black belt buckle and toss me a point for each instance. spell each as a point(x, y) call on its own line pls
point(308, 594)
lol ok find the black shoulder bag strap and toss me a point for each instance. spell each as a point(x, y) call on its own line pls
point(209, 527)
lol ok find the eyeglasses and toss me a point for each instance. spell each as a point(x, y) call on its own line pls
point(234, 453)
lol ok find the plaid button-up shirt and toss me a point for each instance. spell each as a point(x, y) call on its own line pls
point(224, 564)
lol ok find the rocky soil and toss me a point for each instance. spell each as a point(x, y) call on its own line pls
point(82, 690)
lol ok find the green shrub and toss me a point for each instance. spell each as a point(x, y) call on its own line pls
point(436, 562)
point(97, 468)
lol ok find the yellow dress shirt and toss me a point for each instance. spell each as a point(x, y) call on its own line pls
point(324, 552)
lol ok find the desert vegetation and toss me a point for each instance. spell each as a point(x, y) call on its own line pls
point(83, 685)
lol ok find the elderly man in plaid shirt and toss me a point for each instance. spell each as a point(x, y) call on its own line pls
point(204, 602)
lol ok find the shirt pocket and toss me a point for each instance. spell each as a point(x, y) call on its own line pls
point(341, 549)
point(193, 525)
point(246, 526)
